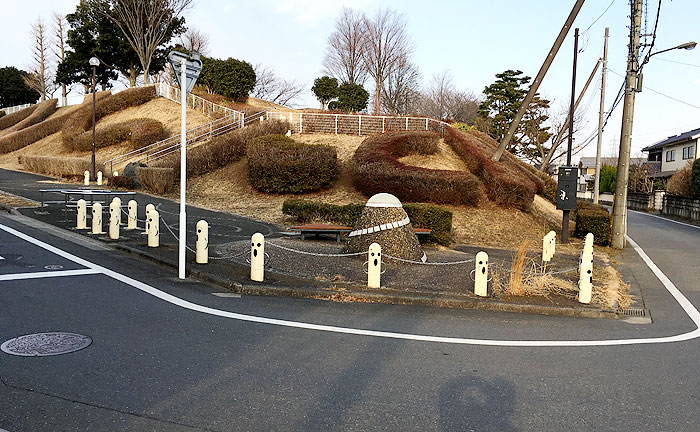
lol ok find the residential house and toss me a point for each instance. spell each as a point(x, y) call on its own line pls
point(674, 152)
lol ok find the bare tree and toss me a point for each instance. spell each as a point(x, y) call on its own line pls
point(387, 44)
point(39, 76)
point(270, 87)
point(60, 28)
point(402, 89)
point(560, 126)
point(442, 100)
point(146, 24)
point(196, 40)
point(343, 59)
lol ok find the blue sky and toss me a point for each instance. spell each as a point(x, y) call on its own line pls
point(474, 40)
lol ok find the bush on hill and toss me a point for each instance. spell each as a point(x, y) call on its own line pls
point(155, 179)
point(375, 169)
point(278, 164)
point(16, 117)
point(56, 165)
point(138, 132)
point(42, 112)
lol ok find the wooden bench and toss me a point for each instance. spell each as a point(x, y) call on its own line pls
point(338, 230)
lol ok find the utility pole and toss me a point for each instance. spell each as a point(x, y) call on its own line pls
point(538, 80)
point(619, 228)
point(570, 140)
point(596, 183)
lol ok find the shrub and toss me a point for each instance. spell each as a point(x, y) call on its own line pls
point(42, 112)
point(16, 117)
point(81, 120)
point(278, 164)
point(2, 114)
point(157, 180)
point(608, 177)
point(56, 165)
point(595, 219)
point(695, 179)
point(222, 150)
point(375, 169)
point(679, 183)
point(506, 183)
point(230, 78)
point(138, 132)
point(122, 182)
point(432, 217)
point(351, 98)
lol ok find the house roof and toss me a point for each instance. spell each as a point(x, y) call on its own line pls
point(589, 162)
point(685, 136)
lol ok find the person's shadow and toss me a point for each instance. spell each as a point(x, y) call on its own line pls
point(471, 403)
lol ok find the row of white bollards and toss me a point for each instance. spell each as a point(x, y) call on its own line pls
point(86, 178)
point(151, 229)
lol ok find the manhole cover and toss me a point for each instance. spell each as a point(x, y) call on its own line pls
point(53, 267)
point(45, 344)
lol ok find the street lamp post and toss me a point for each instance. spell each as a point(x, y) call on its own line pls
point(632, 86)
point(94, 62)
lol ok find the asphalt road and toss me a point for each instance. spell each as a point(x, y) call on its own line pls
point(159, 363)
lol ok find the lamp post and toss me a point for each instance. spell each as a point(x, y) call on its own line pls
point(94, 62)
point(633, 85)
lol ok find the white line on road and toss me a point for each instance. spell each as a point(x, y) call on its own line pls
point(48, 274)
point(682, 300)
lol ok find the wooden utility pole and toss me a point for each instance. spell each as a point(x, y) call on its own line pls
point(538, 80)
point(596, 183)
point(619, 228)
point(570, 141)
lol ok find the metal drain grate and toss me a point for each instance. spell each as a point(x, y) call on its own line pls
point(45, 344)
point(635, 312)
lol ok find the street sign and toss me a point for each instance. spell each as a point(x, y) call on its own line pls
point(193, 66)
point(567, 187)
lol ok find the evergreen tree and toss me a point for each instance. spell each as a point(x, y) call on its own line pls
point(13, 89)
point(325, 89)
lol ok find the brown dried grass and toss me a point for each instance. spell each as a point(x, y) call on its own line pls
point(56, 165)
point(515, 282)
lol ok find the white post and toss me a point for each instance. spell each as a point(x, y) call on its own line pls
point(86, 180)
point(383, 118)
point(554, 243)
point(585, 281)
point(300, 120)
point(426, 123)
point(149, 209)
point(115, 174)
point(114, 208)
point(359, 127)
point(133, 209)
point(154, 230)
point(257, 257)
point(82, 215)
point(97, 218)
point(119, 208)
point(406, 123)
point(183, 169)
point(202, 246)
point(374, 266)
point(336, 124)
point(99, 178)
point(481, 274)
point(547, 247)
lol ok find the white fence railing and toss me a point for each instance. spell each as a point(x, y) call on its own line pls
point(351, 124)
point(198, 103)
point(10, 110)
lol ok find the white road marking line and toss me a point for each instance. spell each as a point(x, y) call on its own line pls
point(1, 257)
point(47, 274)
point(666, 219)
point(682, 300)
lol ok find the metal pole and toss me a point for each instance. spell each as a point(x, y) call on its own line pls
point(94, 78)
point(565, 216)
point(619, 228)
point(183, 167)
point(538, 80)
point(596, 183)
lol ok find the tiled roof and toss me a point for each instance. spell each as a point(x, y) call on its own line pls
point(685, 136)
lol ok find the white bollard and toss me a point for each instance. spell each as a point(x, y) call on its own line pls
point(114, 209)
point(149, 209)
point(553, 246)
point(588, 244)
point(202, 245)
point(585, 282)
point(119, 208)
point(133, 209)
point(374, 266)
point(257, 257)
point(154, 228)
point(547, 247)
point(82, 215)
point(86, 180)
point(481, 274)
point(115, 174)
point(99, 178)
point(97, 218)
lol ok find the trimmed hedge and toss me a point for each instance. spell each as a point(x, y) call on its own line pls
point(138, 132)
point(222, 150)
point(16, 117)
point(157, 180)
point(278, 164)
point(56, 165)
point(432, 217)
point(81, 120)
point(42, 112)
point(2, 114)
point(376, 168)
point(122, 182)
point(507, 184)
point(695, 179)
point(593, 218)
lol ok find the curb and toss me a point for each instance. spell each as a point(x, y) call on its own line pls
point(354, 292)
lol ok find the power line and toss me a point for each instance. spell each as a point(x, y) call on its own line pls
point(601, 16)
point(677, 62)
point(659, 93)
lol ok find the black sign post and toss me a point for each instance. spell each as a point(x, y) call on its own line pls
point(566, 196)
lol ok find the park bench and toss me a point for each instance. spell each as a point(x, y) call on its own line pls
point(338, 230)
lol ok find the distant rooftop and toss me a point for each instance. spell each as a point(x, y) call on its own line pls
point(685, 136)
point(589, 162)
